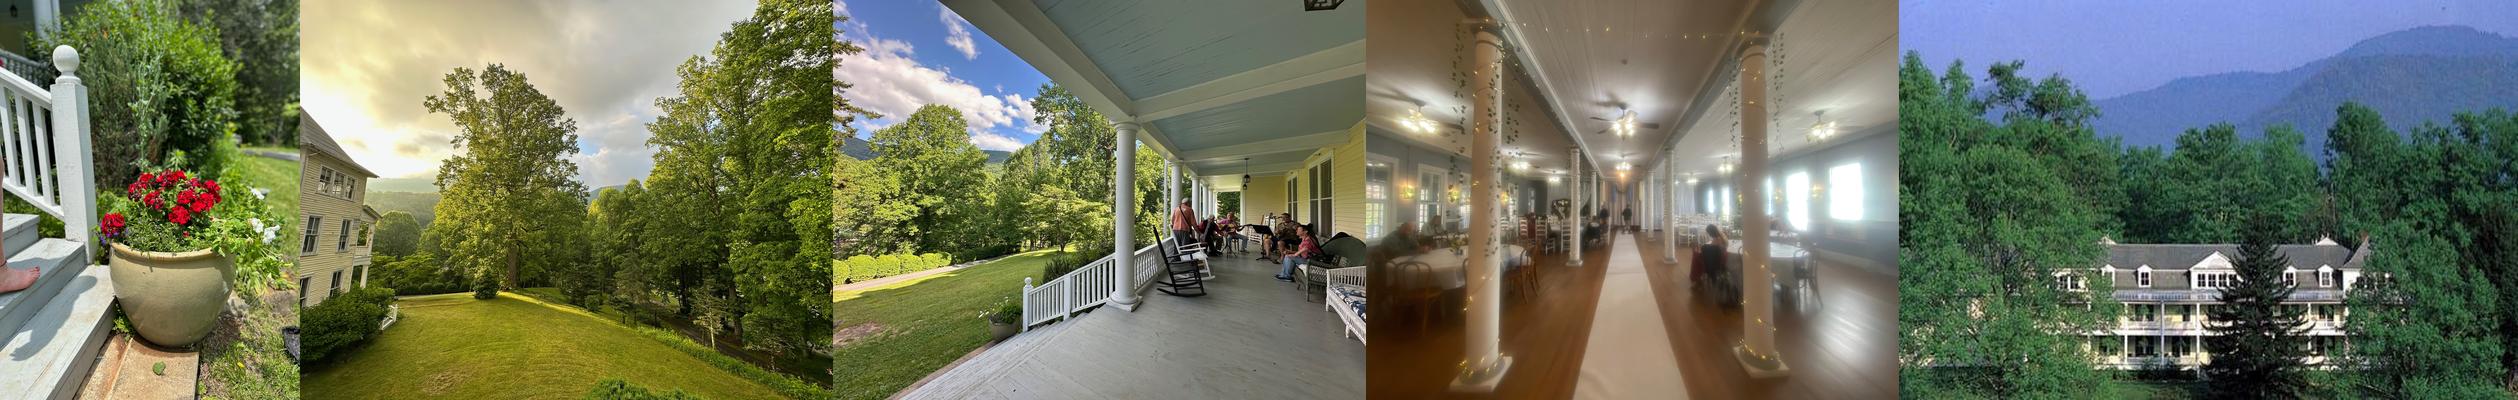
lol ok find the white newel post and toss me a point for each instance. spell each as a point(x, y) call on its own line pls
point(1757, 350)
point(1578, 184)
point(71, 154)
point(1485, 364)
point(1171, 198)
point(1123, 189)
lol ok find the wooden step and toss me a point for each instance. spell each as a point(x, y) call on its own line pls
point(58, 258)
point(52, 356)
point(20, 233)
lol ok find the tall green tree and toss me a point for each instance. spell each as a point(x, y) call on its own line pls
point(397, 234)
point(748, 135)
point(2430, 317)
point(2255, 342)
point(930, 157)
point(1991, 216)
point(511, 182)
point(261, 36)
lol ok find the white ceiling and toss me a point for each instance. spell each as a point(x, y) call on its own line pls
point(1588, 58)
point(1839, 56)
point(1412, 62)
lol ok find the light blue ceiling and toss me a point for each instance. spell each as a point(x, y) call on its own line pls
point(1259, 164)
point(1319, 108)
point(1151, 47)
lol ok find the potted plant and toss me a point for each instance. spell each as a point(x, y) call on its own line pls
point(1003, 319)
point(172, 254)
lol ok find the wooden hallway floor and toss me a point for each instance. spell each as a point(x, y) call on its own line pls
point(1842, 345)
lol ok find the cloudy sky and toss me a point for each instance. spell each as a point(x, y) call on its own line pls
point(367, 66)
point(920, 53)
point(2114, 47)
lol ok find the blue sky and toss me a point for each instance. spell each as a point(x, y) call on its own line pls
point(920, 53)
point(2111, 48)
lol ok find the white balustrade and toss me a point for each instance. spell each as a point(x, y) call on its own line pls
point(47, 147)
point(1084, 288)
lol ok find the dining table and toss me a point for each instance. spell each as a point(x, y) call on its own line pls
point(1449, 266)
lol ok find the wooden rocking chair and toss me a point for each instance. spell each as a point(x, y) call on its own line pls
point(1181, 264)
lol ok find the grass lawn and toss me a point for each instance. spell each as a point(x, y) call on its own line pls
point(896, 334)
point(280, 176)
point(452, 346)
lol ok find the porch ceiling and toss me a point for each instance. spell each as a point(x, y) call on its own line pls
point(1207, 79)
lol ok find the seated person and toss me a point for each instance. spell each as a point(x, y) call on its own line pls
point(1298, 254)
point(1709, 256)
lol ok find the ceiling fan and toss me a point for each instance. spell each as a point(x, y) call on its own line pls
point(1624, 124)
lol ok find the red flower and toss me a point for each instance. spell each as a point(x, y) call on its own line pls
point(113, 225)
point(179, 215)
point(170, 177)
point(152, 201)
point(146, 178)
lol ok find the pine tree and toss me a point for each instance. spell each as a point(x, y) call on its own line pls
point(2257, 351)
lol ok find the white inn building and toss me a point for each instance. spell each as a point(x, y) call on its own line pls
point(2170, 290)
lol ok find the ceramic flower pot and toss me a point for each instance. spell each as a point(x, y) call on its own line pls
point(998, 332)
point(172, 299)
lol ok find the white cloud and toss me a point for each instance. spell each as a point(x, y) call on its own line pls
point(367, 65)
point(956, 36)
point(890, 82)
point(991, 141)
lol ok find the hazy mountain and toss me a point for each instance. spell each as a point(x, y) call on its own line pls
point(2412, 76)
point(421, 205)
point(417, 185)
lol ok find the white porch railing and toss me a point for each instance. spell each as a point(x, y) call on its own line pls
point(48, 154)
point(1084, 288)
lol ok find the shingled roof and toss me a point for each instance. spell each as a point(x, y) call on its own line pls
point(2183, 256)
point(312, 138)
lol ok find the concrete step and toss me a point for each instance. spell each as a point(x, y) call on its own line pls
point(20, 233)
point(60, 265)
point(51, 357)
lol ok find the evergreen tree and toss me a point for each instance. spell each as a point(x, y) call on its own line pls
point(2256, 340)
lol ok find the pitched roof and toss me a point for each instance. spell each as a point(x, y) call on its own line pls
point(312, 138)
point(2183, 256)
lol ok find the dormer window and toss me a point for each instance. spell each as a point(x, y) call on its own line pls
point(2142, 276)
point(2290, 276)
point(2325, 276)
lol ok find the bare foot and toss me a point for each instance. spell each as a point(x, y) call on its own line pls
point(16, 279)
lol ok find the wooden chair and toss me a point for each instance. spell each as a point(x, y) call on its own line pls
point(1181, 264)
point(1416, 290)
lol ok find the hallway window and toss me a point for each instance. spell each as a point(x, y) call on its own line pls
point(1376, 199)
point(1797, 200)
point(1844, 201)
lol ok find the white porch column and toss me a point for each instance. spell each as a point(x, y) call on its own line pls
point(1670, 228)
point(1171, 194)
point(1485, 364)
point(1123, 189)
point(1578, 185)
point(1757, 350)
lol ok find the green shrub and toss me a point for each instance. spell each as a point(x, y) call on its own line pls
point(1067, 262)
point(157, 85)
point(484, 285)
point(617, 389)
point(342, 322)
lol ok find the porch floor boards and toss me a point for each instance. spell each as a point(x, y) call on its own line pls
point(1250, 337)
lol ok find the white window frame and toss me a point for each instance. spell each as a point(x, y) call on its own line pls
point(1797, 200)
point(1844, 196)
point(2142, 277)
point(2325, 276)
